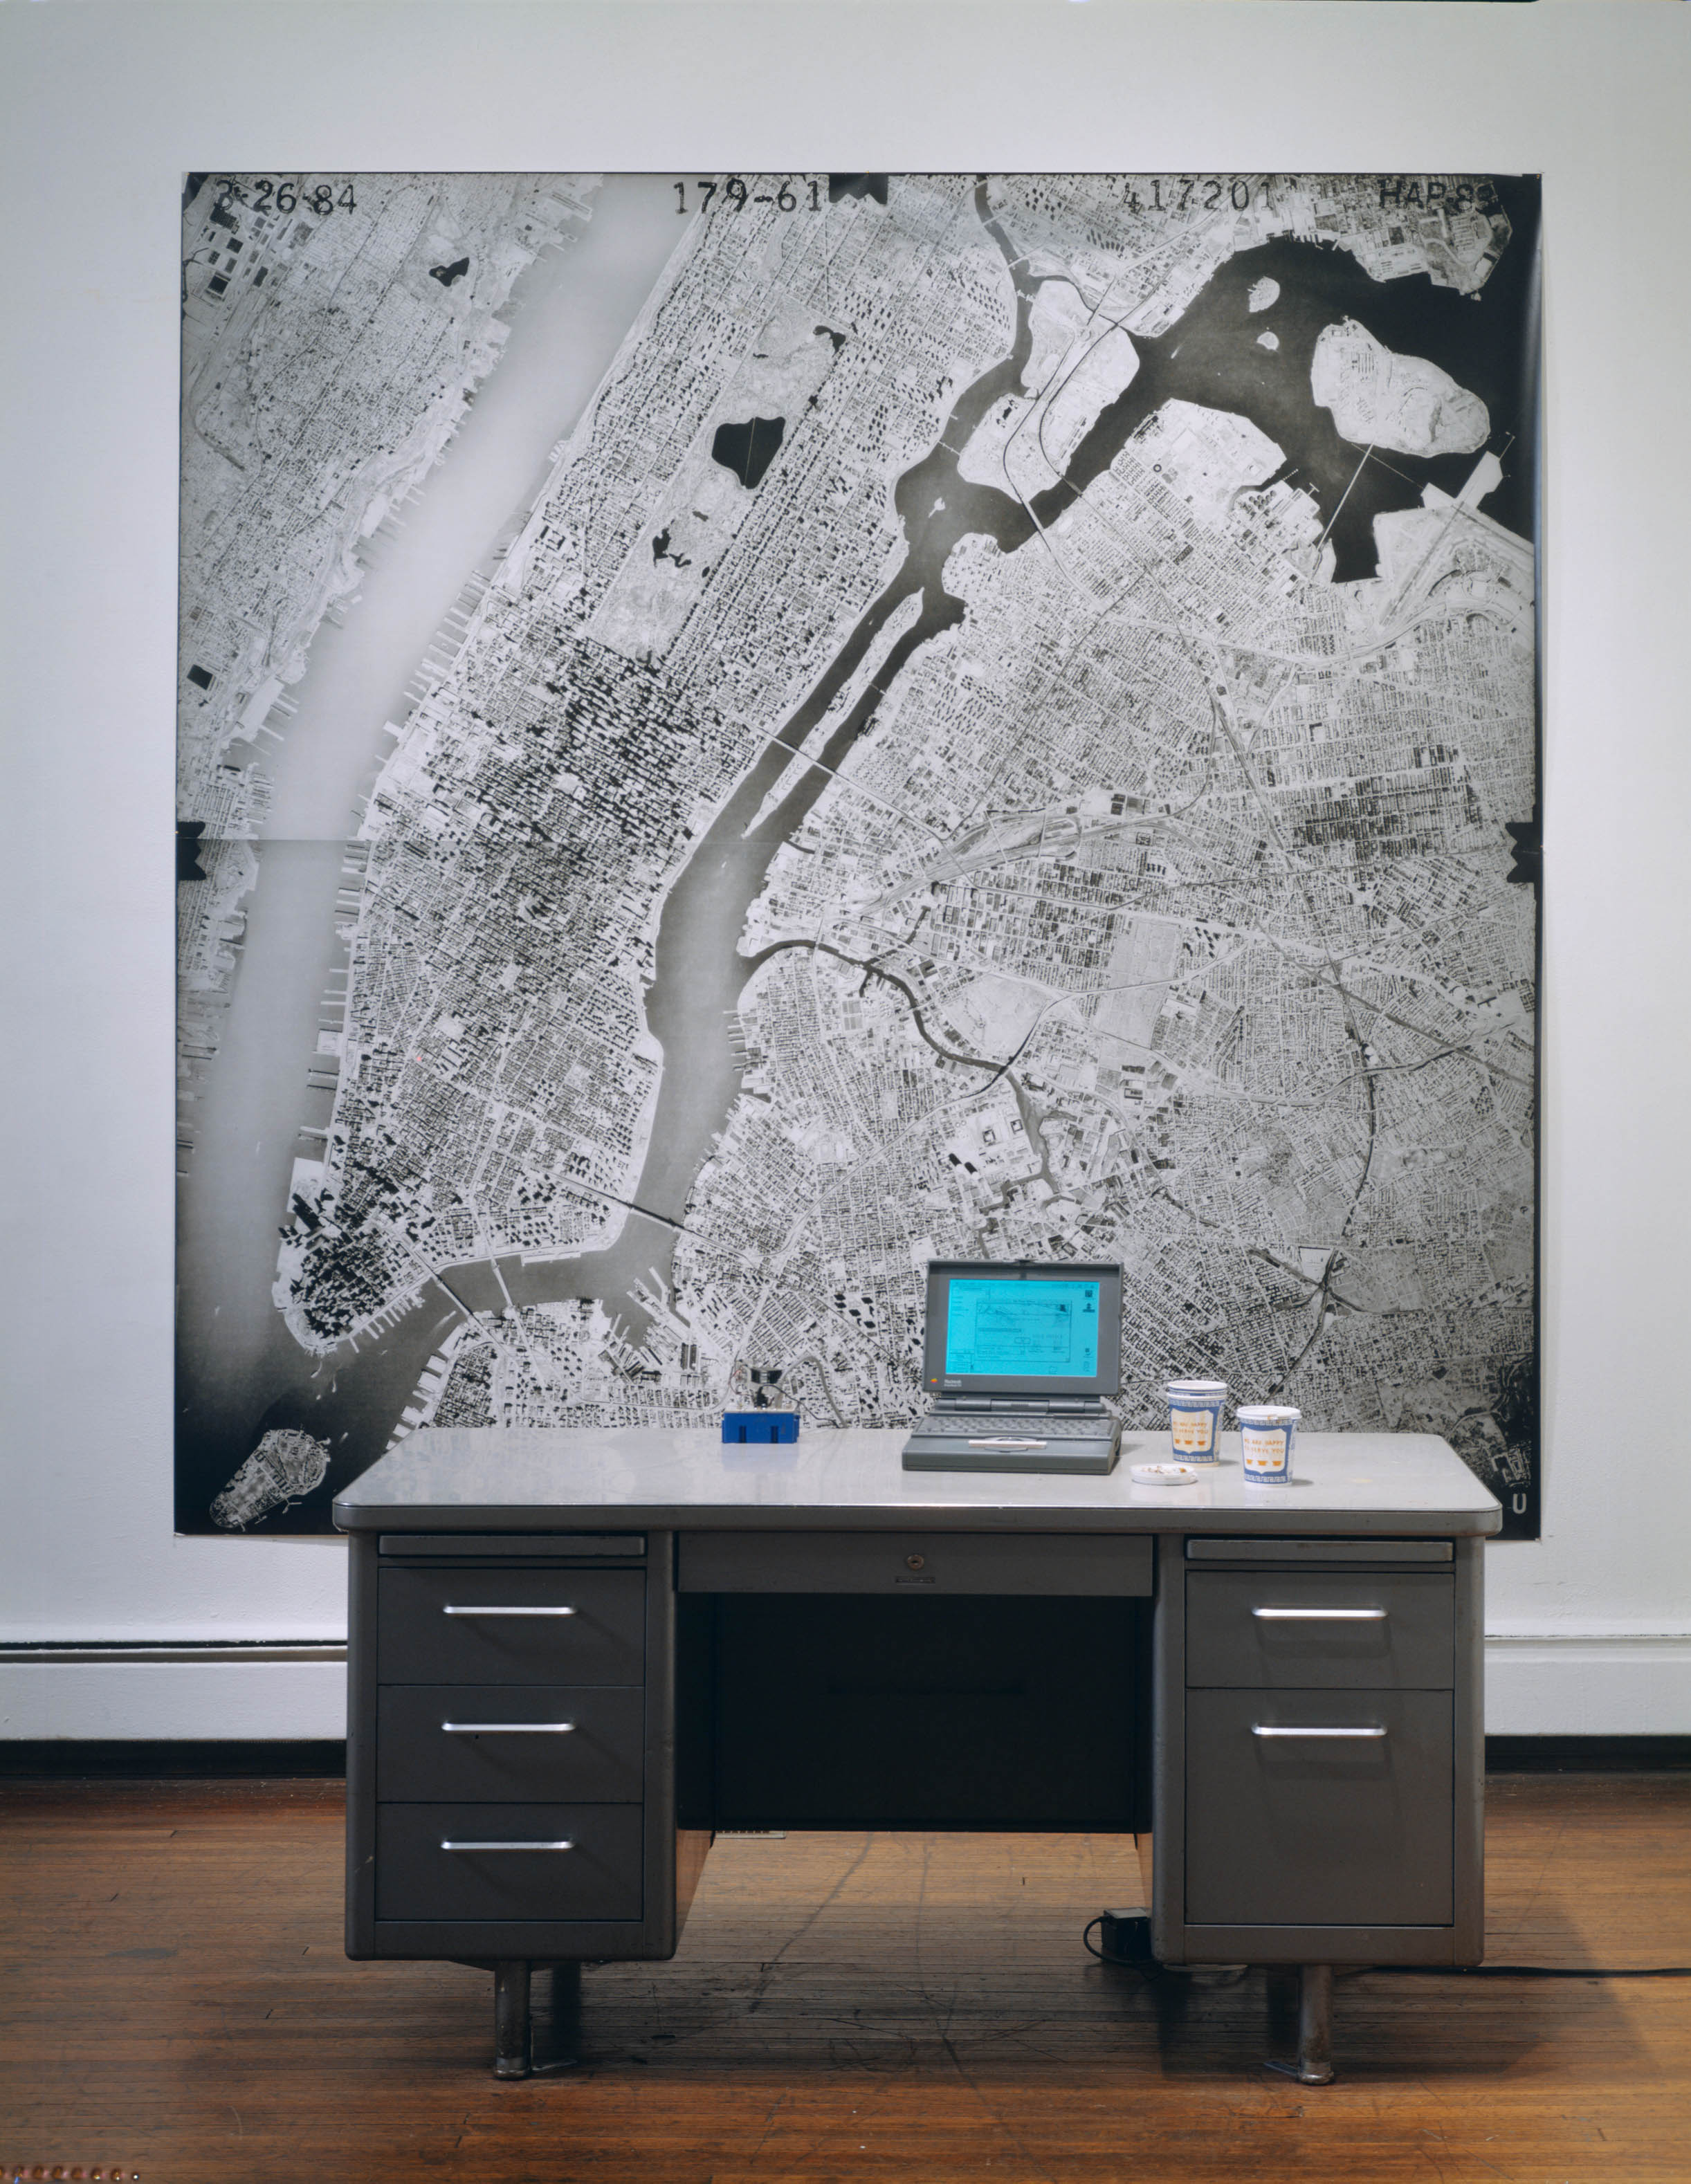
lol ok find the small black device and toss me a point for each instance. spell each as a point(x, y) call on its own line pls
point(1125, 1938)
point(1019, 1358)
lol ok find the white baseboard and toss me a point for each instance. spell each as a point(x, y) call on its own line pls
point(1571, 1684)
point(285, 1695)
point(1600, 1683)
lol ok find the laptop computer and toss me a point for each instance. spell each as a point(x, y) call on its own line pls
point(1018, 1359)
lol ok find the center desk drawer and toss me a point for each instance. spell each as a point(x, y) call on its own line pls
point(521, 1626)
point(1310, 1630)
point(507, 1862)
point(916, 1562)
point(510, 1741)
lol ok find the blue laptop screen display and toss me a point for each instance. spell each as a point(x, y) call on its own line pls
point(1042, 1329)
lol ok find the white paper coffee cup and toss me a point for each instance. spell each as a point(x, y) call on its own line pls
point(1194, 1408)
point(1268, 1433)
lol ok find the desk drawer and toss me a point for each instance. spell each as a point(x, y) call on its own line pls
point(1315, 1829)
point(533, 1626)
point(506, 1742)
point(919, 1563)
point(599, 1875)
point(1252, 1629)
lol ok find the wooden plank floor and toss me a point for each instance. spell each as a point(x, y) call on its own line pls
point(175, 2001)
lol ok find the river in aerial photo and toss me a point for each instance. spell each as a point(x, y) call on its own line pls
point(568, 314)
point(241, 1373)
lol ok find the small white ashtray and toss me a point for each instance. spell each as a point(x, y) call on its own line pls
point(1166, 1474)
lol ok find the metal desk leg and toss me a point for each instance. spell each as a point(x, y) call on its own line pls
point(511, 2027)
point(1315, 2064)
point(1315, 2026)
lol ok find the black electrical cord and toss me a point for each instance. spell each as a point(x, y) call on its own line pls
point(1541, 1971)
point(1229, 1975)
point(1146, 1966)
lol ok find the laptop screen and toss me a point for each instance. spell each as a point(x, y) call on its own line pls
point(994, 1328)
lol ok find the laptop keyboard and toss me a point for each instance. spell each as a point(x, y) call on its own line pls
point(995, 1425)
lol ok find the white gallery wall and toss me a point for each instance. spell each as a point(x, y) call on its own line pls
point(103, 106)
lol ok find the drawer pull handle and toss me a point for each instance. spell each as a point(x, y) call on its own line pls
point(1275, 1728)
point(507, 1610)
point(508, 1845)
point(507, 1728)
point(1319, 1614)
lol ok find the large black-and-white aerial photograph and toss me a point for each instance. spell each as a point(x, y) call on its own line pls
point(742, 733)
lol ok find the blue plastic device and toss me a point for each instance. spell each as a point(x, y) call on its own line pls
point(760, 1425)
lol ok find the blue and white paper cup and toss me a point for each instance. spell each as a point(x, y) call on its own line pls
point(1268, 1433)
point(1194, 1408)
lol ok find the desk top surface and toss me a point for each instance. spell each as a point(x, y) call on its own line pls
point(532, 1479)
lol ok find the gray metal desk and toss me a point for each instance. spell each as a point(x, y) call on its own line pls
point(574, 1655)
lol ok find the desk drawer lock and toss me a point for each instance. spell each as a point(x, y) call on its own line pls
point(915, 1561)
